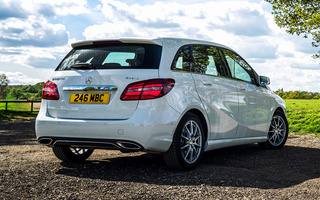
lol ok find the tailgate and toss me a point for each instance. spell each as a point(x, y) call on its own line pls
point(95, 94)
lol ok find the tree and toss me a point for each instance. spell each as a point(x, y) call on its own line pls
point(299, 17)
point(27, 96)
point(17, 93)
point(295, 95)
point(317, 97)
point(280, 93)
point(4, 81)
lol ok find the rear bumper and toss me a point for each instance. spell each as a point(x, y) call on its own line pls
point(122, 145)
point(148, 129)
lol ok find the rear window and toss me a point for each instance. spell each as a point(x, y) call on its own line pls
point(117, 56)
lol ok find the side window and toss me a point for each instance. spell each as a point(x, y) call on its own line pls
point(238, 67)
point(206, 60)
point(182, 60)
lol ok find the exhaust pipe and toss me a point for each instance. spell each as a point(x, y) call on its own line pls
point(45, 141)
point(128, 145)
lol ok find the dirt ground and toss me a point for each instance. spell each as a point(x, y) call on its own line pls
point(31, 171)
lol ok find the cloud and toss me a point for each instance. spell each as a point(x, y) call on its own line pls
point(5, 51)
point(28, 39)
point(245, 22)
point(173, 19)
point(31, 32)
point(304, 44)
point(12, 9)
point(34, 57)
point(46, 10)
point(22, 9)
point(63, 8)
point(25, 22)
point(19, 74)
point(18, 78)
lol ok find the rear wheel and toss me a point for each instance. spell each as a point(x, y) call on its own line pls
point(69, 154)
point(187, 146)
point(278, 132)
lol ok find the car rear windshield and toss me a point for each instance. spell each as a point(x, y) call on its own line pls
point(114, 56)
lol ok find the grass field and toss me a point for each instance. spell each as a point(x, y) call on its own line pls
point(17, 110)
point(19, 106)
point(303, 116)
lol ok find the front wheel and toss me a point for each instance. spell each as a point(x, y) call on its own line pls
point(187, 146)
point(69, 154)
point(278, 132)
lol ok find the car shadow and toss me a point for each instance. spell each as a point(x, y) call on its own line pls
point(241, 166)
point(18, 132)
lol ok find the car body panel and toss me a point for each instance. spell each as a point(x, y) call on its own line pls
point(220, 99)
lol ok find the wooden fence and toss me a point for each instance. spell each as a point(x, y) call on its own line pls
point(31, 102)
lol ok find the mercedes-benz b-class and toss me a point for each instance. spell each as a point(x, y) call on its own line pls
point(178, 97)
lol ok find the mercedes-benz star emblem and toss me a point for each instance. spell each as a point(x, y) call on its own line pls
point(88, 80)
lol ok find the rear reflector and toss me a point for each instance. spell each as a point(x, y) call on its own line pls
point(148, 89)
point(50, 91)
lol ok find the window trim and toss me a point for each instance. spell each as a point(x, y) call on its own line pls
point(223, 73)
point(253, 74)
point(176, 58)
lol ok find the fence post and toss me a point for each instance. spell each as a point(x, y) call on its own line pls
point(6, 106)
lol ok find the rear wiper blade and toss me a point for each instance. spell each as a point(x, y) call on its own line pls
point(82, 66)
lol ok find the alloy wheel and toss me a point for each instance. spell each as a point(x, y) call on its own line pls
point(278, 130)
point(191, 142)
point(78, 151)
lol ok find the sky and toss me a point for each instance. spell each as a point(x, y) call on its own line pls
point(35, 35)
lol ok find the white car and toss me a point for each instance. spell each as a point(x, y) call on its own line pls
point(178, 97)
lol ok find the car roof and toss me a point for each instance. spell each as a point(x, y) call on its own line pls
point(156, 41)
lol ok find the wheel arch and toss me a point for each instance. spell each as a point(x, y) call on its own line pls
point(203, 121)
point(281, 110)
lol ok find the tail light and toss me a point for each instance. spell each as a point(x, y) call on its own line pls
point(148, 89)
point(50, 91)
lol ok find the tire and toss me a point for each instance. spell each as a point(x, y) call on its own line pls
point(187, 146)
point(68, 154)
point(278, 132)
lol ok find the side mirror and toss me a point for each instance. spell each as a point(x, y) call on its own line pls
point(263, 80)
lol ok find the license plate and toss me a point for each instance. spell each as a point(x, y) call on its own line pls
point(89, 98)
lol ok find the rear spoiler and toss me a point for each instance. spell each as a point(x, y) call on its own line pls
point(119, 41)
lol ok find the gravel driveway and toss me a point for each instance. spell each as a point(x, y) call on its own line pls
point(28, 170)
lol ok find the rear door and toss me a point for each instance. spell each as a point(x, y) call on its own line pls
point(217, 93)
point(92, 78)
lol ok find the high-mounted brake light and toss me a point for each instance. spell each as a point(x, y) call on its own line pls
point(106, 42)
point(50, 91)
point(148, 89)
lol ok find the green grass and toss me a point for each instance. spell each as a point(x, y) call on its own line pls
point(303, 116)
point(15, 115)
point(17, 110)
point(19, 106)
point(9, 98)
